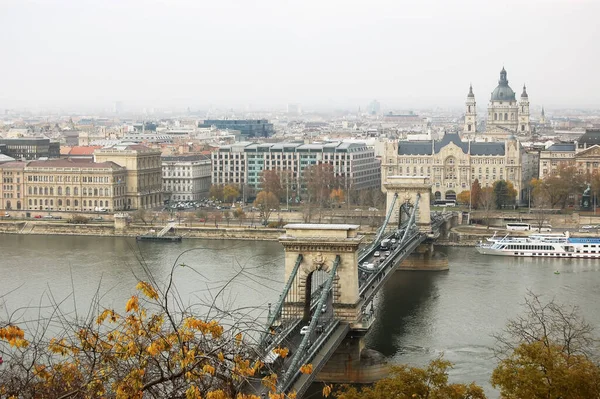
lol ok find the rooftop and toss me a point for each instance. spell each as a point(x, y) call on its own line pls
point(73, 163)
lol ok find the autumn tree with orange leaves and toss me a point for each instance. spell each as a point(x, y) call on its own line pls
point(144, 350)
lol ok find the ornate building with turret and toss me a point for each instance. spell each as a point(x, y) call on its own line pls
point(506, 116)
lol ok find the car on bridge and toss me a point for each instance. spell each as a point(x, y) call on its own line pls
point(304, 330)
point(376, 253)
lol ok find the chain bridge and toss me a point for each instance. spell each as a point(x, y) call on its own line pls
point(326, 306)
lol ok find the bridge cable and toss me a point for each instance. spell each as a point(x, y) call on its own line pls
point(279, 306)
point(302, 349)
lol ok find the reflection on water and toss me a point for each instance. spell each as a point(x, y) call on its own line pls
point(420, 315)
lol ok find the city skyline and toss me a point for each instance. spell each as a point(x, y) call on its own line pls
point(86, 55)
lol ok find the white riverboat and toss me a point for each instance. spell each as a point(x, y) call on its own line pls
point(542, 245)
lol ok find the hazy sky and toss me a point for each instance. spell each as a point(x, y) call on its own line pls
point(317, 52)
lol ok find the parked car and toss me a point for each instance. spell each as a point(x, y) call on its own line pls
point(57, 217)
point(48, 217)
point(37, 217)
point(98, 219)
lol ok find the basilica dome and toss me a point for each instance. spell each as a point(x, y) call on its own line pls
point(503, 92)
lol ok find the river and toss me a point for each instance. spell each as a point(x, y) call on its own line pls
point(420, 315)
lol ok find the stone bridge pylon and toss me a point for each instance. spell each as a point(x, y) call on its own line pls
point(318, 245)
point(408, 188)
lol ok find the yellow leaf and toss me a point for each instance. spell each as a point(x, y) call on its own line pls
point(306, 369)
point(147, 290)
point(208, 369)
point(326, 390)
point(132, 304)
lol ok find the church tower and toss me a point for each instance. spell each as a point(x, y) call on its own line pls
point(524, 126)
point(543, 117)
point(471, 113)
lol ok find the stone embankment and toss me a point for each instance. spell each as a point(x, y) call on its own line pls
point(132, 230)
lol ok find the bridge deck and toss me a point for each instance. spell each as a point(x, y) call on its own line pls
point(301, 384)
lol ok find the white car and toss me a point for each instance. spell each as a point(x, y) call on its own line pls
point(304, 330)
point(376, 253)
point(387, 253)
point(324, 308)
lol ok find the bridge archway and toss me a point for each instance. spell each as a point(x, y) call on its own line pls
point(408, 189)
point(313, 284)
point(318, 246)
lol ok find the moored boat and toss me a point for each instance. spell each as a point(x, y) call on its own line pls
point(152, 237)
point(542, 245)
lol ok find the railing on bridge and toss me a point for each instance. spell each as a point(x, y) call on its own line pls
point(276, 313)
point(310, 336)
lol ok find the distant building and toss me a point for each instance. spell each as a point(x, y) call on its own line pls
point(186, 178)
point(584, 154)
point(248, 127)
point(453, 165)
point(505, 115)
point(63, 185)
point(374, 107)
point(294, 109)
point(144, 173)
point(243, 163)
point(30, 148)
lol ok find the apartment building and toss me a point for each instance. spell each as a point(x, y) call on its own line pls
point(186, 178)
point(243, 163)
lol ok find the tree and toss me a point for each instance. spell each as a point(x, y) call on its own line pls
point(202, 215)
point(270, 181)
point(412, 382)
point(227, 216)
point(464, 197)
point(216, 192)
point(486, 203)
point(475, 194)
point(504, 194)
point(546, 354)
point(230, 193)
point(319, 180)
point(239, 214)
point(337, 195)
point(265, 202)
point(141, 215)
point(151, 348)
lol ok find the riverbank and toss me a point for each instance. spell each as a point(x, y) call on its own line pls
point(108, 230)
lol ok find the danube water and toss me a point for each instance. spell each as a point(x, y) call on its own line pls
point(420, 315)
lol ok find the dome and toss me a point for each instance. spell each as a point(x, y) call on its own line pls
point(503, 92)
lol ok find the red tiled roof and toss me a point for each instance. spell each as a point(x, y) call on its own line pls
point(65, 150)
point(84, 150)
